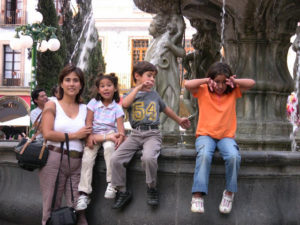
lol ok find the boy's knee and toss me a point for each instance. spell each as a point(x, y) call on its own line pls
point(114, 161)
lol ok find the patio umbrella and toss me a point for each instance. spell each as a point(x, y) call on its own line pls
point(23, 121)
point(11, 108)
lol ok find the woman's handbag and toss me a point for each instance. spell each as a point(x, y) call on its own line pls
point(63, 215)
point(31, 153)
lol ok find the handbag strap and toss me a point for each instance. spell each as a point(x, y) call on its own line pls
point(36, 125)
point(68, 152)
point(57, 177)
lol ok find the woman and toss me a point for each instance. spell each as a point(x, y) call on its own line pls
point(65, 114)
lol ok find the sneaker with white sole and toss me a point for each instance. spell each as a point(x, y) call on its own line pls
point(82, 202)
point(110, 192)
point(197, 205)
point(226, 203)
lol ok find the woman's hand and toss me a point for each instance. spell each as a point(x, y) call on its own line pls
point(83, 132)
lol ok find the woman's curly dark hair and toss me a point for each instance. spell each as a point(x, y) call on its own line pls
point(114, 79)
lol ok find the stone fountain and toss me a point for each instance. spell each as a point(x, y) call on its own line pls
point(256, 40)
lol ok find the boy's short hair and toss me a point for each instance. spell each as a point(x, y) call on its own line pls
point(142, 67)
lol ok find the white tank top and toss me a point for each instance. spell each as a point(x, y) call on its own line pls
point(65, 124)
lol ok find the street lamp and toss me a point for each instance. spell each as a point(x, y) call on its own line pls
point(34, 35)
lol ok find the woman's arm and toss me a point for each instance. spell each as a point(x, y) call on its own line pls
point(48, 126)
point(178, 51)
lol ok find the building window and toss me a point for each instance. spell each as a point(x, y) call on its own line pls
point(13, 11)
point(138, 52)
point(11, 67)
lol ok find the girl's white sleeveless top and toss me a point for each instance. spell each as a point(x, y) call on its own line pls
point(65, 124)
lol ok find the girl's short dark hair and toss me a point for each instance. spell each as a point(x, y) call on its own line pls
point(220, 68)
point(114, 79)
point(142, 67)
point(69, 68)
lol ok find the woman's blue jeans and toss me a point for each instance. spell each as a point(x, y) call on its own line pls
point(229, 150)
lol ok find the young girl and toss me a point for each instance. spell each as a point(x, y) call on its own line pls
point(106, 117)
point(216, 94)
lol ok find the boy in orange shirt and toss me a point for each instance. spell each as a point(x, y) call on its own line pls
point(216, 94)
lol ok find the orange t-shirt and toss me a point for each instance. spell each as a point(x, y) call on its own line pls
point(217, 113)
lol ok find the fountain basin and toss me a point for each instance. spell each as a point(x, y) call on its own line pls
point(268, 191)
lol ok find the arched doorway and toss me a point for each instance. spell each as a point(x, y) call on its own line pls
point(12, 107)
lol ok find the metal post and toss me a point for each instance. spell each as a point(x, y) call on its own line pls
point(32, 80)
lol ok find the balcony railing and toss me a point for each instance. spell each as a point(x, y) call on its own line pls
point(13, 17)
point(14, 80)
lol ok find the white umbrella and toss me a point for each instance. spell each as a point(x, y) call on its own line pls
point(23, 121)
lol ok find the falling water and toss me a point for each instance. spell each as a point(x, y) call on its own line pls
point(83, 31)
point(292, 106)
point(293, 116)
point(223, 28)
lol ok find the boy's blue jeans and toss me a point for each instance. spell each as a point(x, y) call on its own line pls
point(229, 150)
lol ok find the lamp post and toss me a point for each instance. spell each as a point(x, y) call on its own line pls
point(34, 35)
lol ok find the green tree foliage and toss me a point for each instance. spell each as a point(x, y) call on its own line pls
point(67, 29)
point(72, 32)
point(95, 66)
point(49, 64)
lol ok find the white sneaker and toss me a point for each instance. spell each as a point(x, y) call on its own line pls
point(82, 202)
point(110, 192)
point(226, 203)
point(197, 205)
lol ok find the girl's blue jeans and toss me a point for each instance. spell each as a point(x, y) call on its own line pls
point(229, 150)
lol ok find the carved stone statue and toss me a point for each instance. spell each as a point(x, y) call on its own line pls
point(206, 43)
point(167, 31)
point(296, 48)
